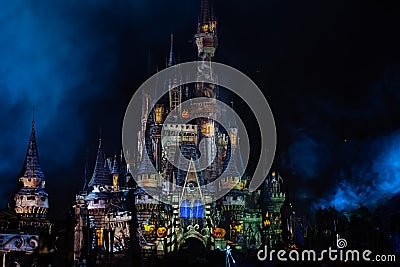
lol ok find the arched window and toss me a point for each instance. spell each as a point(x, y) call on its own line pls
point(198, 210)
point(185, 209)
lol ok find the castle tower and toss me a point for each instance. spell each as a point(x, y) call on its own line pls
point(99, 199)
point(147, 207)
point(206, 36)
point(101, 174)
point(233, 203)
point(25, 230)
point(207, 41)
point(145, 126)
point(272, 199)
point(155, 136)
point(31, 200)
point(102, 221)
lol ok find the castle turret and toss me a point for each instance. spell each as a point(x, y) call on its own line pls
point(102, 221)
point(31, 200)
point(99, 198)
point(272, 199)
point(206, 37)
point(147, 176)
point(25, 230)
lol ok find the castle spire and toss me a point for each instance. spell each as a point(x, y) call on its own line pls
point(31, 167)
point(99, 137)
point(171, 60)
point(146, 165)
point(115, 169)
point(205, 11)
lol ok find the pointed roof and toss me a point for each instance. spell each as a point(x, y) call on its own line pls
point(191, 175)
point(146, 166)
point(232, 168)
point(188, 151)
point(101, 172)
point(31, 167)
point(122, 164)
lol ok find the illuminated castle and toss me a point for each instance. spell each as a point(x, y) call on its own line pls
point(158, 217)
point(191, 218)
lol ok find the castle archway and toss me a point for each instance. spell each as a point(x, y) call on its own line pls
point(193, 247)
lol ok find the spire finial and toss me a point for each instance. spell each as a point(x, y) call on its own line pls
point(100, 137)
point(171, 51)
point(33, 119)
point(114, 168)
point(101, 170)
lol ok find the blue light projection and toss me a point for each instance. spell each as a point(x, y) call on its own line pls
point(185, 210)
point(198, 210)
point(372, 182)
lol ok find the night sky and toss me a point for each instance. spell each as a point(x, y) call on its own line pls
point(330, 71)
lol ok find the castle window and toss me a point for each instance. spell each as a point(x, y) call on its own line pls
point(30, 198)
point(99, 234)
point(96, 201)
point(185, 209)
point(198, 209)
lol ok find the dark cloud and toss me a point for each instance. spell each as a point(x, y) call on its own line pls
point(60, 58)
